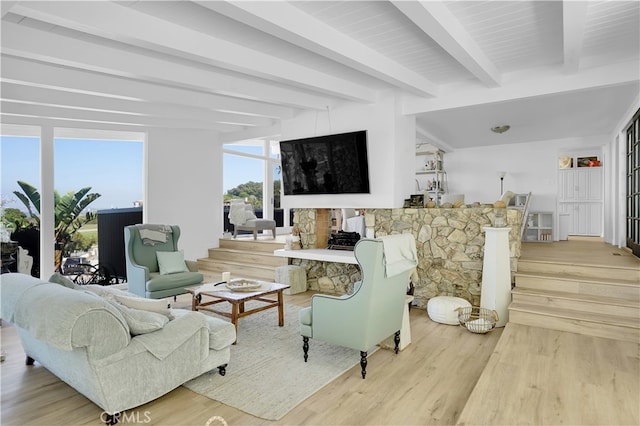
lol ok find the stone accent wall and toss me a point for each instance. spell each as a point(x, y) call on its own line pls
point(450, 244)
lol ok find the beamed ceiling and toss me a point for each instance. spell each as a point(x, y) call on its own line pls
point(550, 69)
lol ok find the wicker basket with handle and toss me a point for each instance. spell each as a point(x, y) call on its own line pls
point(477, 320)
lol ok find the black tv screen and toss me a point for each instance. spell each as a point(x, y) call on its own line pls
point(331, 164)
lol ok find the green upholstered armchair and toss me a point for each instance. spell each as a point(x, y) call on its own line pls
point(366, 317)
point(143, 270)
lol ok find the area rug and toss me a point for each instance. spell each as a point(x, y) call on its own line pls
point(267, 376)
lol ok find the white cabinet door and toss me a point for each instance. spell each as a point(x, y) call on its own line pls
point(580, 194)
point(594, 183)
point(566, 185)
point(595, 219)
point(581, 184)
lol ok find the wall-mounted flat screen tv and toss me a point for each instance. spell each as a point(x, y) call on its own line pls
point(331, 164)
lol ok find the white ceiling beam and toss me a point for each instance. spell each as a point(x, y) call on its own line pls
point(524, 84)
point(150, 32)
point(31, 43)
point(31, 120)
point(574, 19)
point(252, 133)
point(5, 6)
point(291, 24)
point(84, 115)
point(435, 20)
point(28, 72)
point(47, 96)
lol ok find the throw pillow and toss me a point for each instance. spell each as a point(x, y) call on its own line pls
point(248, 213)
point(151, 305)
point(171, 262)
point(141, 322)
point(62, 280)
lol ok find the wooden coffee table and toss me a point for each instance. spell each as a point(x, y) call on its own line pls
point(220, 294)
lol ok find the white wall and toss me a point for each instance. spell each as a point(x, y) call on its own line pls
point(183, 186)
point(531, 167)
point(390, 151)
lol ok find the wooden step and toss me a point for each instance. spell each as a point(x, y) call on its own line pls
point(579, 270)
point(214, 269)
point(249, 257)
point(249, 244)
point(577, 302)
point(587, 323)
point(628, 289)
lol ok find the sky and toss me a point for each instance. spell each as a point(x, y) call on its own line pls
point(111, 168)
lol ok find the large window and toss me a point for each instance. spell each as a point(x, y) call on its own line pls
point(112, 168)
point(252, 172)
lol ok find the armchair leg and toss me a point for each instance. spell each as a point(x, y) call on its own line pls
point(305, 347)
point(29, 360)
point(396, 340)
point(363, 363)
point(222, 369)
point(111, 419)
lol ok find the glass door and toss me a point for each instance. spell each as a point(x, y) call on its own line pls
point(633, 185)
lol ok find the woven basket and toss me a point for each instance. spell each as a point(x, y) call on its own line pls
point(477, 320)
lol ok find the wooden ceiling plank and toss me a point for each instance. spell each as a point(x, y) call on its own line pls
point(435, 20)
point(291, 24)
point(146, 31)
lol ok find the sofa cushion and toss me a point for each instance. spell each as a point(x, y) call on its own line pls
point(221, 333)
point(152, 305)
point(159, 282)
point(141, 322)
point(171, 262)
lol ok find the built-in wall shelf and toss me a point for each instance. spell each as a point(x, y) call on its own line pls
point(430, 175)
point(539, 227)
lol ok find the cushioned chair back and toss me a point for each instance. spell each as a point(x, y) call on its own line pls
point(383, 297)
point(145, 254)
point(372, 313)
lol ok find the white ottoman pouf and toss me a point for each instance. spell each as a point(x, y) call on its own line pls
point(442, 309)
point(295, 276)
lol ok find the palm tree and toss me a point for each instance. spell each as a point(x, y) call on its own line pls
point(68, 210)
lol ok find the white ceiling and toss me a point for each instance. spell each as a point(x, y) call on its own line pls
point(550, 69)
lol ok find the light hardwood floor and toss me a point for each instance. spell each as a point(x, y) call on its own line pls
point(516, 375)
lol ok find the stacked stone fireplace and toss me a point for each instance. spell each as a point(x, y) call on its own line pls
point(450, 243)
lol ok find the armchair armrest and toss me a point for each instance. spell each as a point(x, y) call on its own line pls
point(137, 277)
point(192, 265)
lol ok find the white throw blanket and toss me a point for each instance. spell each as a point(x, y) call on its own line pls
point(237, 215)
point(152, 234)
point(400, 253)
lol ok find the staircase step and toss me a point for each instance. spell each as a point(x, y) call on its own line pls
point(249, 257)
point(580, 270)
point(588, 323)
point(578, 302)
point(611, 287)
point(249, 244)
point(214, 268)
